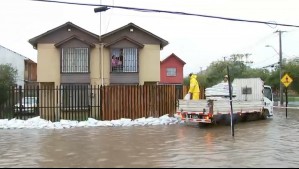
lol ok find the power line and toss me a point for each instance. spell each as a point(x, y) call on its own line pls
point(169, 12)
point(271, 65)
point(258, 63)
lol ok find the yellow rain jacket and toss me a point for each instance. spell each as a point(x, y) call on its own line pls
point(194, 87)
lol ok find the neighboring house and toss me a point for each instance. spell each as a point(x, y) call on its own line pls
point(30, 73)
point(17, 61)
point(172, 70)
point(69, 54)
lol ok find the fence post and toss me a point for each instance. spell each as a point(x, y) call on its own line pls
point(37, 101)
point(20, 99)
point(101, 102)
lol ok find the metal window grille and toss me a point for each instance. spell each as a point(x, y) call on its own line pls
point(127, 59)
point(74, 60)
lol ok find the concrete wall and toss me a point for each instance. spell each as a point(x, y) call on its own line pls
point(16, 60)
point(48, 67)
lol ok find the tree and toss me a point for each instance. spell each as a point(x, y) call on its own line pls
point(238, 69)
point(8, 76)
point(292, 68)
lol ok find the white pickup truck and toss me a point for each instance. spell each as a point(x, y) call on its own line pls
point(251, 100)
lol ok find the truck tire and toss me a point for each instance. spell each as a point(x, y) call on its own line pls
point(201, 125)
point(243, 117)
point(264, 114)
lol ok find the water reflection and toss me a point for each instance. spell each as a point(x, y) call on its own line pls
point(270, 143)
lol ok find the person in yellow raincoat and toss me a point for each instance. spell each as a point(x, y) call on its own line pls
point(194, 89)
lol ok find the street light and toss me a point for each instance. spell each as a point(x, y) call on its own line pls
point(96, 10)
point(280, 74)
point(101, 9)
point(272, 48)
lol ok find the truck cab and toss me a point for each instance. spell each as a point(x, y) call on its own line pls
point(268, 99)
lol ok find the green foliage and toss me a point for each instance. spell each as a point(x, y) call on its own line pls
point(240, 69)
point(292, 68)
point(7, 78)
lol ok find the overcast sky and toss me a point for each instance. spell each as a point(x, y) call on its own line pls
point(196, 40)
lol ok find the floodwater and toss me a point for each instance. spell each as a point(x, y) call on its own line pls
point(264, 143)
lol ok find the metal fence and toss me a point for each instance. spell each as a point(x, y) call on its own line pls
point(79, 102)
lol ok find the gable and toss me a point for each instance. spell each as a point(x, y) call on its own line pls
point(74, 41)
point(136, 33)
point(63, 32)
point(124, 42)
point(173, 59)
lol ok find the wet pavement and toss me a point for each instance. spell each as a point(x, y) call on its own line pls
point(264, 143)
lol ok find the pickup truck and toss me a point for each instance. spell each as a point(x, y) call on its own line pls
point(251, 100)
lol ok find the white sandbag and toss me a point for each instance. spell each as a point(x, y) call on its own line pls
point(187, 96)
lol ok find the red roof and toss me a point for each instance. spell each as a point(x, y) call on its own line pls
point(176, 57)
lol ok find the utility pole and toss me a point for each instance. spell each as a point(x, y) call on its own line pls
point(101, 9)
point(280, 67)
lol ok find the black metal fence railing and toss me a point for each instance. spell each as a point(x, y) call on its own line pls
point(81, 101)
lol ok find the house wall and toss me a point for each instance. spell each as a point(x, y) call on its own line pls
point(172, 63)
point(48, 67)
point(96, 63)
point(94, 66)
point(74, 77)
point(149, 64)
point(16, 60)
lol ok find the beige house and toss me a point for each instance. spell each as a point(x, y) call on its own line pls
point(70, 54)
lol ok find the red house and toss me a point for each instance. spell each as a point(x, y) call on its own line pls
point(171, 70)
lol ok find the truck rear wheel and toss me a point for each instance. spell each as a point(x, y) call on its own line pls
point(227, 120)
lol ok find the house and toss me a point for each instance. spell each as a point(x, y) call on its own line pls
point(73, 59)
point(172, 70)
point(69, 54)
point(20, 63)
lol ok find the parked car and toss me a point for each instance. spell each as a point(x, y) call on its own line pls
point(28, 105)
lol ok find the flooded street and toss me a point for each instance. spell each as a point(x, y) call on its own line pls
point(269, 143)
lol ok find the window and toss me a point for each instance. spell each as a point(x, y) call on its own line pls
point(75, 97)
point(171, 72)
point(247, 90)
point(268, 93)
point(124, 60)
point(74, 60)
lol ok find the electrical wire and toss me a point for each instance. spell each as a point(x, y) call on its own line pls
point(170, 12)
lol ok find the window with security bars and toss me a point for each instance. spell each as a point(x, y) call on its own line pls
point(75, 96)
point(247, 90)
point(171, 72)
point(74, 60)
point(124, 60)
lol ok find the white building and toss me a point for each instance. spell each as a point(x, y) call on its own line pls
point(8, 56)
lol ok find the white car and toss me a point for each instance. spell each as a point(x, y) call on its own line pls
point(29, 105)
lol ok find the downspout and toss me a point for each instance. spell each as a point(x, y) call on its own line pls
point(102, 64)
